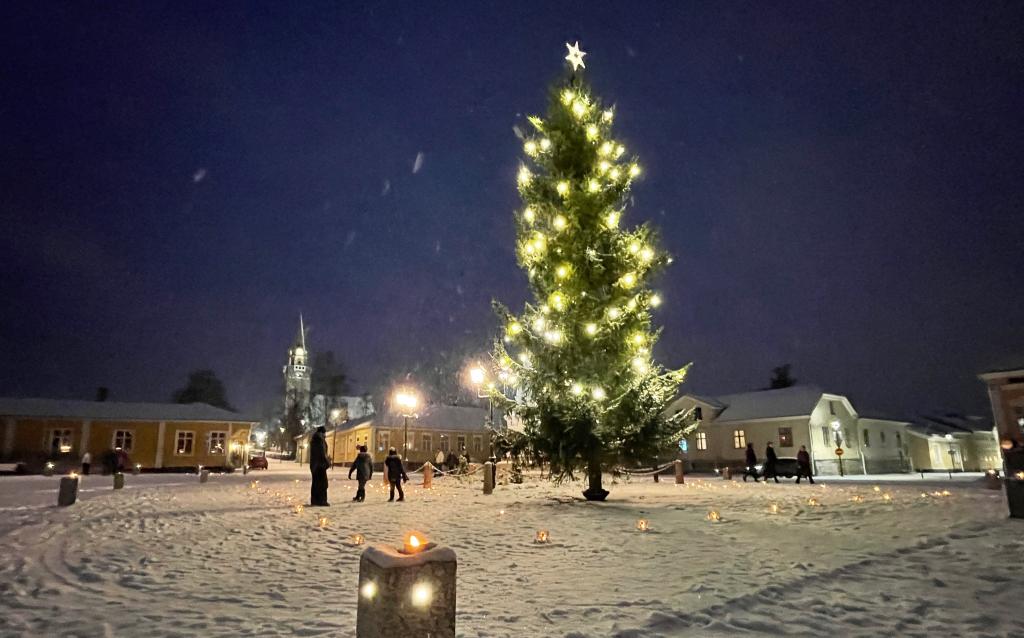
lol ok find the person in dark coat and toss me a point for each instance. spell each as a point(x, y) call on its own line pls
point(363, 467)
point(771, 460)
point(751, 469)
point(396, 474)
point(451, 461)
point(318, 464)
point(803, 465)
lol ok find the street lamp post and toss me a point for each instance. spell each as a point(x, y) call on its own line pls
point(839, 444)
point(949, 442)
point(477, 375)
point(335, 415)
point(407, 402)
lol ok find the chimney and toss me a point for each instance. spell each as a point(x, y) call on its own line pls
point(101, 394)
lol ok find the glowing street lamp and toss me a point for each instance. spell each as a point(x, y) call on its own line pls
point(406, 400)
point(477, 376)
point(839, 443)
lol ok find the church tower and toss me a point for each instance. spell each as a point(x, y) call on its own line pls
point(297, 373)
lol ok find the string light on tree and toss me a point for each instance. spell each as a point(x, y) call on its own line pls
point(586, 379)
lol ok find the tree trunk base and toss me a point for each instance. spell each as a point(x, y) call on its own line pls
point(595, 494)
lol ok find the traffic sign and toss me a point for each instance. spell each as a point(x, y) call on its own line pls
point(839, 451)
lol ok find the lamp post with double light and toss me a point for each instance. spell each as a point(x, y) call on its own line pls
point(837, 435)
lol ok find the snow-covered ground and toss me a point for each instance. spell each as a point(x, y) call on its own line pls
point(170, 557)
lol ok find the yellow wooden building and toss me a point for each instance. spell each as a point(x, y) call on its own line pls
point(153, 435)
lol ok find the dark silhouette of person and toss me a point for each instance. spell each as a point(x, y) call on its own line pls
point(803, 465)
point(771, 460)
point(318, 464)
point(363, 467)
point(751, 463)
point(396, 474)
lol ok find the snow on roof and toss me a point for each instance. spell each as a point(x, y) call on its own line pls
point(950, 423)
point(117, 411)
point(435, 417)
point(798, 400)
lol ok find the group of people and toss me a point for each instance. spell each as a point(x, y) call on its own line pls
point(362, 467)
point(458, 464)
point(771, 461)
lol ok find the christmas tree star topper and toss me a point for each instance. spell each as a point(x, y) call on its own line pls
point(575, 56)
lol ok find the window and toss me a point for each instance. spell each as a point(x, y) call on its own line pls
point(384, 441)
point(60, 441)
point(826, 435)
point(123, 439)
point(428, 443)
point(785, 437)
point(185, 442)
point(739, 439)
point(697, 414)
point(702, 440)
point(460, 443)
point(867, 439)
point(445, 443)
point(218, 442)
point(478, 444)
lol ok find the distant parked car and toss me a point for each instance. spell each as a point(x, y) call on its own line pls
point(258, 463)
point(785, 467)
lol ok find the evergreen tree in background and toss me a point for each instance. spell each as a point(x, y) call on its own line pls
point(203, 387)
point(580, 352)
point(781, 378)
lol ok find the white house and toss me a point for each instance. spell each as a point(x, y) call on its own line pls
point(955, 442)
point(791, 417)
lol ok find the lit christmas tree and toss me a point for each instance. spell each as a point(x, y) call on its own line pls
point(580, 353)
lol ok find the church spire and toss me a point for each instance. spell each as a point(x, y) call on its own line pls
point(300, 339)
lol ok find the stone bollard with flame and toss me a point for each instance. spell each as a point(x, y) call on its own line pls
point(118, 480)
point(204, 474)
point(680, 477)
point(428, 475)
point(408, 591)
point(68, 493)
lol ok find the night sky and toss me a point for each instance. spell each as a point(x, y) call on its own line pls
point(842, 185)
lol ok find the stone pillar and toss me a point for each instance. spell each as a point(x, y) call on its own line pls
point(137, 469)
point(406, 595)
point(118, 480)
point(488, 478)
point(428, 476)
point(384, 474)
point(655, 475)
point(204, 475)
point(680, 477)
point(727, 473)
point(68, 493)
point(158, 461)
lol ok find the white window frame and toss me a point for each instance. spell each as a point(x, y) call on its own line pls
point(191, 438)
point(222, 436)
point(701, 441)
point(445, 443)
point(739, 439)
point(384, 441)
point(478, 443)
point(783, 443)
point(460, 443)
point(65, 435)
point(120, 434)
point(427, 441)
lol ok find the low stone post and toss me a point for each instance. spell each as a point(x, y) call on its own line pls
point(245, 469)
point(727, 473)
point(137, 469)
point(656, 478)
point(68, 493)
point(384, 474)
point(428, 476)
point(488, 478)
point(48, 469)
point(992, 480)
point(406, 594)
point(204, 475)
point(118, 480)
point(680, 477)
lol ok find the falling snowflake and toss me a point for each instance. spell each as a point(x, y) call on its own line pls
point(387, 188)
point(199, 175)
point(418, 163)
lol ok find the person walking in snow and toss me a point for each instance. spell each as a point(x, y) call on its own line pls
point(439, 461)
point(751, 469)
point(396, 474)
point(771, 461)
point(363, 467)
point(318, 464)
point(803, 465)
point(86, 463)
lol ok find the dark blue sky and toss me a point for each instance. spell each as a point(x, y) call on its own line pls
point(841, 184)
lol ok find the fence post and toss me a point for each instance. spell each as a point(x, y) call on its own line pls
point(488, 477)
point(118, 480)
point(680, 477)
point(428, 475)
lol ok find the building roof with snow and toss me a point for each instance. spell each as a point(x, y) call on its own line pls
point(117, 410)
point(440, 417)
point(794, 401)
point(950, 423)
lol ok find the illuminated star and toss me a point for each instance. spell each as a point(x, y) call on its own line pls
point(575, 56)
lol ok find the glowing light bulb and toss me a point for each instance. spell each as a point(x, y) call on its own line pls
point(529, 215)
point(655, 301)
point(579, 109)
point(646, 253)
point(639, 364)
point(598, 394)
point(594, 186)
point(525, 176)
point(613, 220)
point(545, 144)
point(557, 301)
point(553, 336)
point(368, 590)
point(614, 173)
point(607, 115)
point(421, 594)
point(634, 247)
point(592, 132)
point(538, 323)
point(591, 329)
point(628, 280)
point(634, 170)
point(559, 222)
point(614, 313)
point(524, 358)
point(515, 328)
point(530, 147)
point(631, 304)
point(562, 271)
point(619, 150)
point(604, 165)
point(576, 389)
point(562, 187)
point(567, 97)
point(638, 339)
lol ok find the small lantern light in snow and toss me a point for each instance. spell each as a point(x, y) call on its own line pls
point(298, 509)
point(414, 543)
point(368, 590)
point(887, 497)
point(947, 493)
point(357, 539)
point(857, 498)
point(813, 502)
point(1019, 476)
point(501, 512)
point(643, 525)
point(73, 475)
point(774, 509)
point(422, 593)
point(714, 516)
point(323, 522)
point(924, 494)
point(877, 489)
point(50, 465)
point(542, 536)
